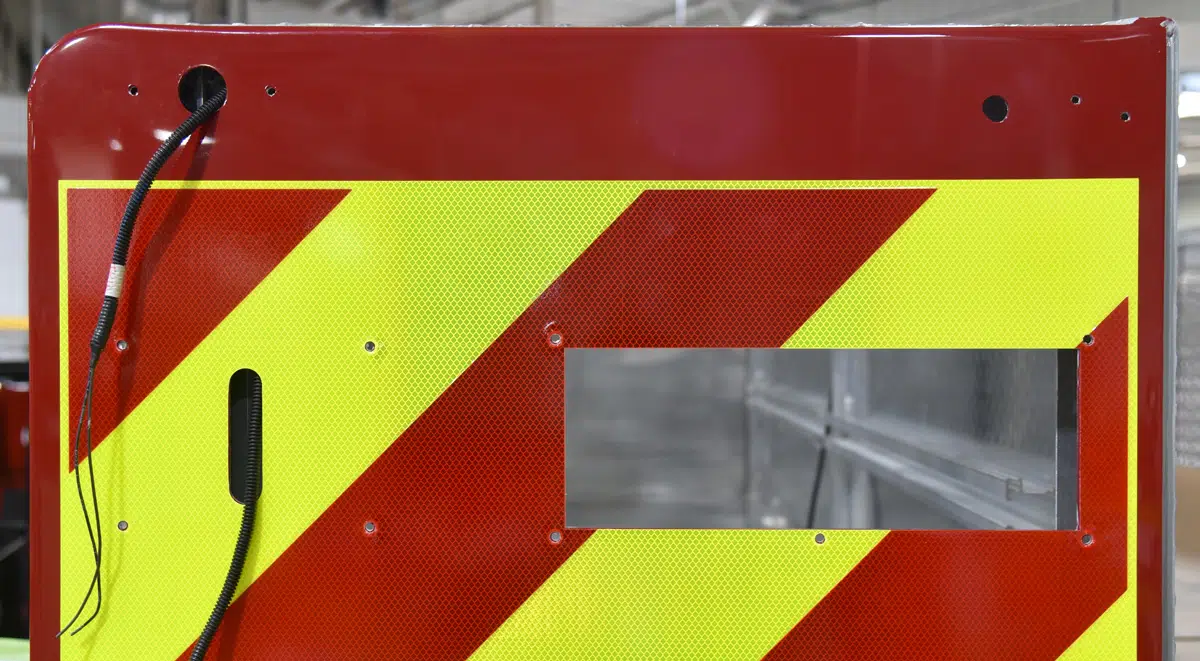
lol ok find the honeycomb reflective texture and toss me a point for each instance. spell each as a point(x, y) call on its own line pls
point(450, 441)
point(678, 594)
point(642, 86)
point(460, 260)
point(466, 498)
point(976, 269)
point(195, 255)
point(992, 594)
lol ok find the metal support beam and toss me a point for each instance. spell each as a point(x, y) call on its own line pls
point(239, 11)
point(543, 12)
point(12, 68)
point(208, 11)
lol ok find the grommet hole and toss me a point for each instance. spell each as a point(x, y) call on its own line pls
point(198, 85)
point(995, 108)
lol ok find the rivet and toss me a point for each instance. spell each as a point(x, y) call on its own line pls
point(122, 525)
point(820, 538)
point(369, 346)
point(122, 345)
point(555, 536)
point(369, 527)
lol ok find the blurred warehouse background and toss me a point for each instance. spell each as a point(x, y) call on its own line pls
point(665, 438)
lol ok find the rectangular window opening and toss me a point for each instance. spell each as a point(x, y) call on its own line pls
point(783, 438)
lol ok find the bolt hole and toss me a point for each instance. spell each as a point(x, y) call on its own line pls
point(555, 536)
point(198, 85)
point(133, 90)
point(1076, 100)
point(995, 108)
point(1088, 340)
point(820, 538)
point(122, 345)
point(122, 525)
point(369, 527)
point(1125, 117)
point(369, 346)
point(270, 90)
point(1087, 539)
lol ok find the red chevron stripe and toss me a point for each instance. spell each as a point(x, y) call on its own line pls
point(995, 594)
point(195, 255)
point(466, 498)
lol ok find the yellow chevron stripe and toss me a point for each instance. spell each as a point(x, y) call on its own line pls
point(992, 264)
point(1112, 636)
point(1006, 264)
point(981, 264)
point(678, 594)
point(431, 272)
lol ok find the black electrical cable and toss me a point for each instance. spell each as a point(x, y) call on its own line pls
point(249, 506)
point(94, 536)
point(108, 313)
point(811, 518)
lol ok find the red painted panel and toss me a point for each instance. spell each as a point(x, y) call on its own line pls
point(996, 594)
point(195, 255)
point(481, 472)
point(14, 435)
point(829, 103)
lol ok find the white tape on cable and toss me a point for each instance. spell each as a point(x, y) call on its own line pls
point(116, 278)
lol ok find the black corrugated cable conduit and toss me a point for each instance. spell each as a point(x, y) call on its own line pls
point(100, 336)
